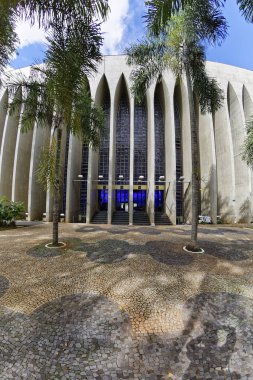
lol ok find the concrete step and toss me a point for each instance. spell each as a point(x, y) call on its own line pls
point(100, 218)
point(162, 219)
point(141, 218)
point(120, 217)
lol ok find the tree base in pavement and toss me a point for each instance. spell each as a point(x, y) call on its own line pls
point(193, 249)
point(59, 245)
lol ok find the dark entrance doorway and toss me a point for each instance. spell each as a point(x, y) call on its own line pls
point(140, 200)
point(159, 200)
point(103, 200)
point(122, 199)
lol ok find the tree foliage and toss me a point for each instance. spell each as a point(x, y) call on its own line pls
point(247, 149)
point(8, 37)
point(10, 211)
point(180, 44)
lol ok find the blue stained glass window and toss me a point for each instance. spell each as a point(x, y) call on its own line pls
point(123, 138)
point(159, 139)
point(84, 172)
point(103, 166)
point(179, 162)
point(140, 142)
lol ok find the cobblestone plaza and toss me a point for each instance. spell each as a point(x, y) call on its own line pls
point(126, 303)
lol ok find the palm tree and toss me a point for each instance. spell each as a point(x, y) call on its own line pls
point(47, 13)
point(57, 94)
point(246, 7)
point(8, 37)
point(247, 149)
point(179, 46)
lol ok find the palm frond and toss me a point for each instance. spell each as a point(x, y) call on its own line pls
point(8, 37)
point(247, 148)
point(60, 11)
point(246, 7)
point(148, 56)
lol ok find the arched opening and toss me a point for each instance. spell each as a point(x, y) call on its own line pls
point(159, 148)
point(179, 156)
point(140, 157)
point(103, 159)
point(122, 162)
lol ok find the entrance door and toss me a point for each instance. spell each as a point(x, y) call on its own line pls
point(122, 199)
point(103, 200)
point(159, 197)
point(140, 200)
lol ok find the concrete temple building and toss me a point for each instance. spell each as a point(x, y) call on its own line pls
point(142, 171)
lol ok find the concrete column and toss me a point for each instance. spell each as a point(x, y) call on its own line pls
point(224, 161)
point(170, 151)
point(49, 198)
point(7, 153)
point(20, 183)
point(238, 132)
point(151, 155)
point(3, 113)
point(208, 167)
point(131, 174)
point(73, 188)
point(186, 146)
point(36, 194)
point(248, 113)
point(92, 193)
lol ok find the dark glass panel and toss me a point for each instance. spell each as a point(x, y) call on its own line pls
point(84, 172)
point(140, 142)
point(122, 198)
point(63, 208)
point(103, 199)
point(123, 139)
point(159, 196)
point(140, 199)
point(159, 140)
point(179, 162)
point(103, 166)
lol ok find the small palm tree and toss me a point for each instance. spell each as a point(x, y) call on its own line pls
point(57, 94)
point(179, 46)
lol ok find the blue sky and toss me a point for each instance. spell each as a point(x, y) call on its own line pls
point(125, 25)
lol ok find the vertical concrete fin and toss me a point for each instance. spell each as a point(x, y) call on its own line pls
point(238, 133)
point(224, 161)
point(7, 154)
point(73, 187)
point(20, 183)
point(36, 195)
point(3, 113)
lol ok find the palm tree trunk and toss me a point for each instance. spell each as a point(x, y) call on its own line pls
point(195, 164)
point(56, 195)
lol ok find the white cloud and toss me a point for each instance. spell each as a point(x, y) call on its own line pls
point(29, 34)
point(115, 25)
point(113, 28)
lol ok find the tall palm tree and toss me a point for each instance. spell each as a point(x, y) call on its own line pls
point(47, 13)
point(179, 46)
point(8, 37)
point(57, 94)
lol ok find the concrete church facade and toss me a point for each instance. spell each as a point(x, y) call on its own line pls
point(143, 165)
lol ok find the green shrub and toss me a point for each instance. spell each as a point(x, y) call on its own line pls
point(10, 211)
